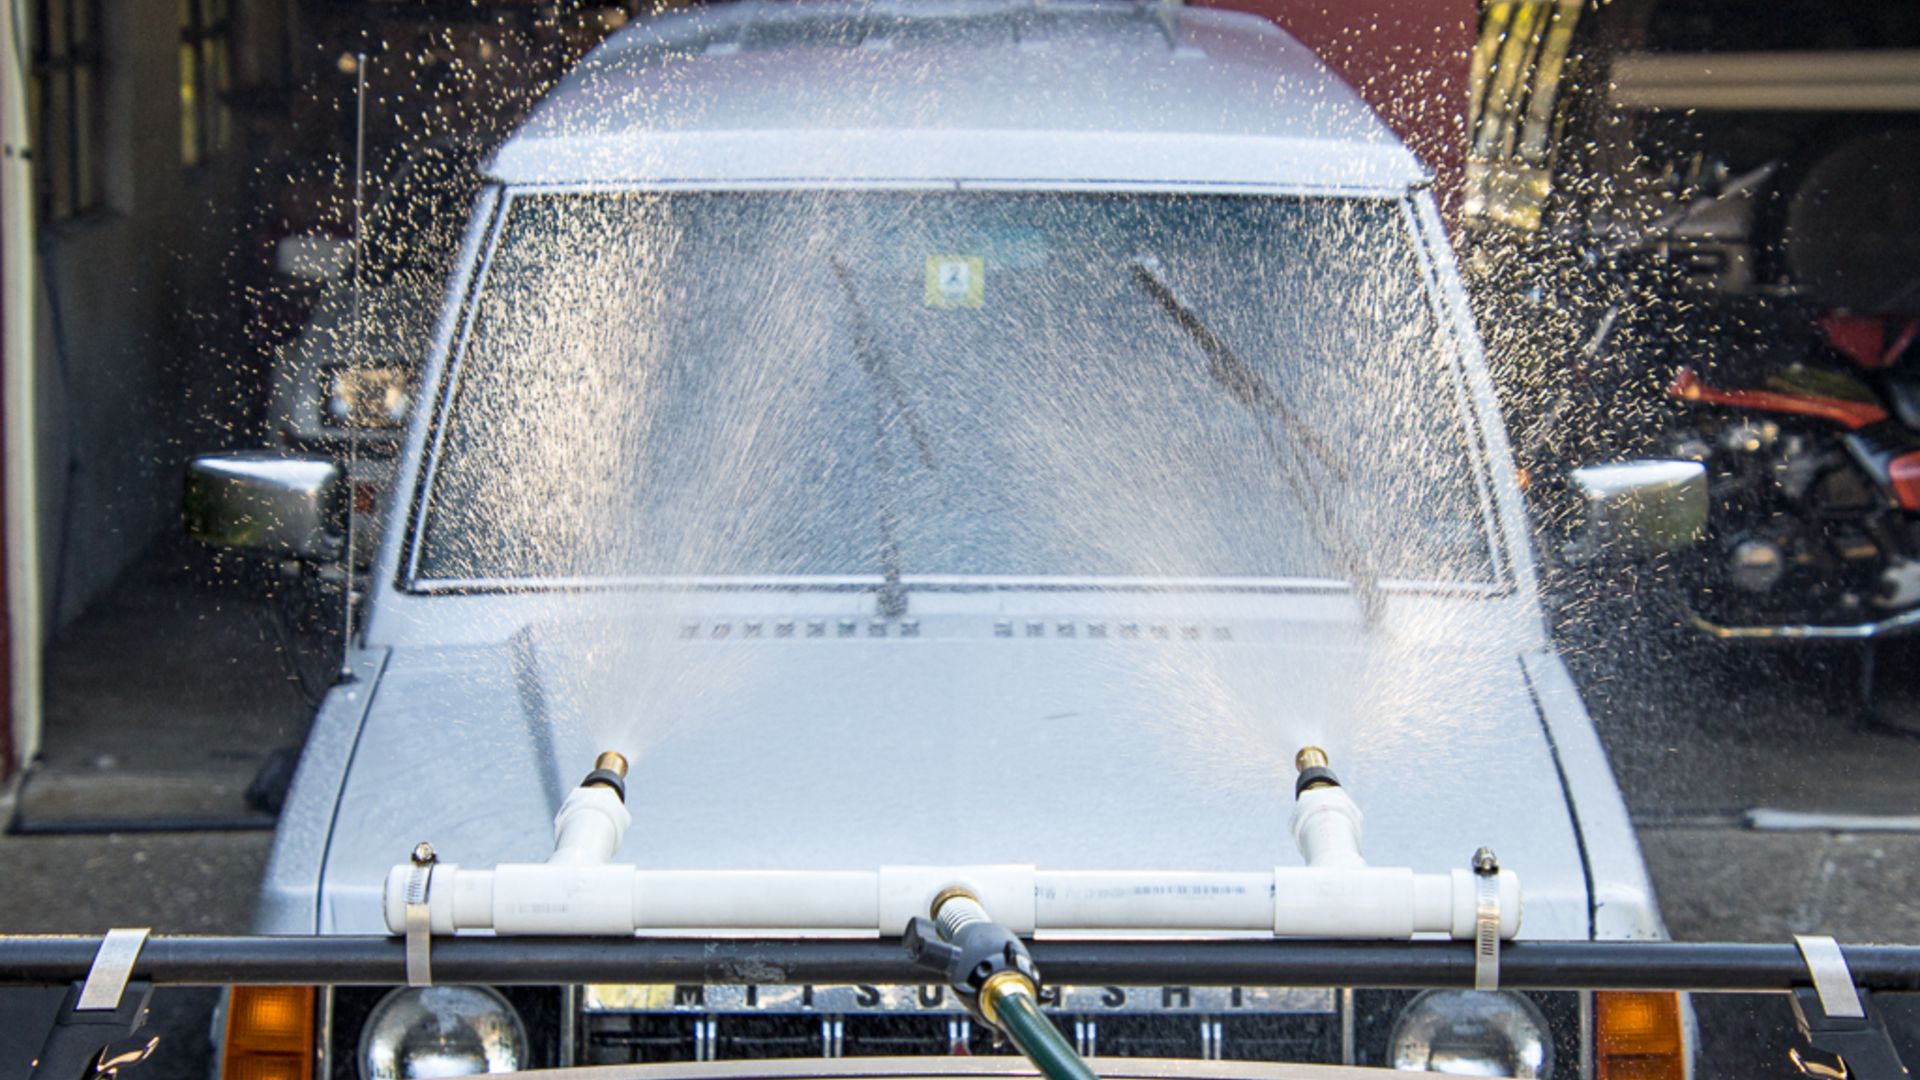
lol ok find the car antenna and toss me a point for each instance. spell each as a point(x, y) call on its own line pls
point(357, 355)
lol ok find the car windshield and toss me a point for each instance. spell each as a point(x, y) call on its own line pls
point(954, 386)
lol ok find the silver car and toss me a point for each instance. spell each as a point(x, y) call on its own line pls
point(956, 434)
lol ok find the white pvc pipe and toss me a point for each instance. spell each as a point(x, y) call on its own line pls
point(1081, 899)
point(576, 892)
point(1384, 902)
point(571, 898)
point(590, 825)
point(756, 899)
point(1326, 827)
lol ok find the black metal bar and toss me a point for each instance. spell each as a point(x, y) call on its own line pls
point(1527, 965)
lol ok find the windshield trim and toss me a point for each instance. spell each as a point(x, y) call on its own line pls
point(945, 583)
point(1040, 185)
point(409, 580)
point(668, 582)
point(1459, 344)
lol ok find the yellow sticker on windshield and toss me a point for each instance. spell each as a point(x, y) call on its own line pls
point(956, 281)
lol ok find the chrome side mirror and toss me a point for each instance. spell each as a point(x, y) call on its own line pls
point(268, 501)
point(1639, 508)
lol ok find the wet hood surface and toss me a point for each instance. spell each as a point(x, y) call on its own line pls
point(974, 740)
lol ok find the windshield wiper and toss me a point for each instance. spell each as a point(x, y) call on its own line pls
point(1247, 387)
point(892, 601)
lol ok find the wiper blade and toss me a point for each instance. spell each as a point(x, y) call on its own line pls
point(874, 361)
point(1251, 390)
point(1227, 368)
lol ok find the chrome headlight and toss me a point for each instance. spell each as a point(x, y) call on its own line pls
point(439, 1031)
point(369, 397)
point(1473, 1033)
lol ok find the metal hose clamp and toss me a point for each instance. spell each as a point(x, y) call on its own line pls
point(1486, 920)
point(420, 916)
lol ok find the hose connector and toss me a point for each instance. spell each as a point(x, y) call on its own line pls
point(992, 973)
point(980, 959)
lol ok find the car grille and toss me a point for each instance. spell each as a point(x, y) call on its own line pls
point(631, 1025)
point(637, 1024)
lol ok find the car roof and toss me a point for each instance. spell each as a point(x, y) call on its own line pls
point(1011, 92)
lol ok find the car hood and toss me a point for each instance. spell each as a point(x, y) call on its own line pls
point(1064, 744)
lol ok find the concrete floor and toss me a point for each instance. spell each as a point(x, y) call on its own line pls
point(163, 700)
point(1726, 884)
point(178, 883)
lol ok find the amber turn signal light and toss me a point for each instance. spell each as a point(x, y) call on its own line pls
point(1637, 1036)
point(270, 1031)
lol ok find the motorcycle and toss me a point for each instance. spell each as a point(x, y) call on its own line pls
point(1814, 472)
point(1783, 355)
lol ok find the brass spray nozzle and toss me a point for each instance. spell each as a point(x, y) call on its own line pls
point(609, 771)
point(1311, 763)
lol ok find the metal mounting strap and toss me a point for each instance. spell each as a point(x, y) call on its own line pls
point(1486, 921)
point(1832, 979)
point(420, 922)
point(112, 967)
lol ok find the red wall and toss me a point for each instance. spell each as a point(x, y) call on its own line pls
point(1407, 58)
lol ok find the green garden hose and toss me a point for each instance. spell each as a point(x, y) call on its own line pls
point(1015, 1010)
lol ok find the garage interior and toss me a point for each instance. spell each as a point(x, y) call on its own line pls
point(178, 144)
point(178, 147)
